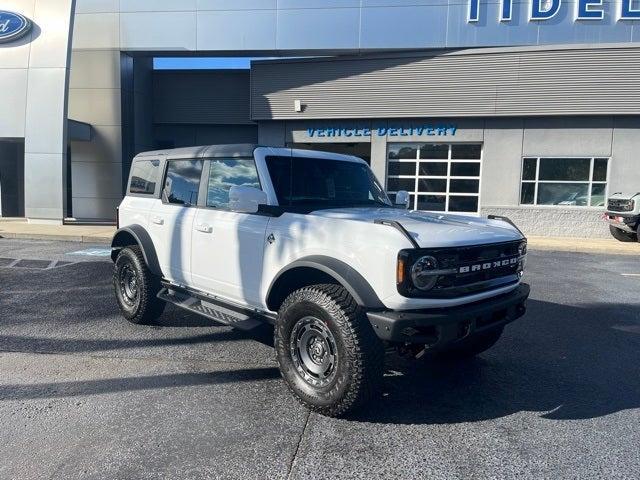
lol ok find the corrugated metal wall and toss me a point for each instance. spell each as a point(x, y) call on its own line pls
point(509, 82)
point(201, 97)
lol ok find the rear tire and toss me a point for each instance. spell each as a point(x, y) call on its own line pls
point(136, 287)
point(622, 236)
point(328, 353)
point(472, 346)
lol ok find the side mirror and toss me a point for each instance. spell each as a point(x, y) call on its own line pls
point(244, 199)
point(402, 198)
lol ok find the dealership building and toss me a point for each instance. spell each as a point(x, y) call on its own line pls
point(524, 108)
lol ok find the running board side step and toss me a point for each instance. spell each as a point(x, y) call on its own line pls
point(213, 309)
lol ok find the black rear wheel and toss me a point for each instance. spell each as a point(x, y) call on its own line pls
point(136, 287)
point(328, 354)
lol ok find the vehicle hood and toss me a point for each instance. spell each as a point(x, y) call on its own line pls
point(623, 196)
point(433, 229)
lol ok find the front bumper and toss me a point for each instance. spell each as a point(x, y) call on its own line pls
point(624, 221)
point(437, 328)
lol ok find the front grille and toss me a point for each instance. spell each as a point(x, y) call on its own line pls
point(470, 281)
point(460, 256)
point(475, 282)
point(618, 205)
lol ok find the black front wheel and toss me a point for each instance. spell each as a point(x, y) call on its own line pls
point(327, 351)
point(621, 235)
point(136, 287)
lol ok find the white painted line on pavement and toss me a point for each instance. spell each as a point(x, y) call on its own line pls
point(93, 252)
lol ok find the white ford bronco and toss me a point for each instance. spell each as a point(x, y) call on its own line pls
point(310, 242)
point(623, 215)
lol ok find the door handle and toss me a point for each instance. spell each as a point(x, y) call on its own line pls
point(204, 228)
point(158, 220)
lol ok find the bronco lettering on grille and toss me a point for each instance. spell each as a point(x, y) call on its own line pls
point(488, 265)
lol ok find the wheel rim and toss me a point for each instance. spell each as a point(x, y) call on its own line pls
point(129, 287)
point(314, 352)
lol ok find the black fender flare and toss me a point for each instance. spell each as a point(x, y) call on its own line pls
point(347, 276)
point(123, 237)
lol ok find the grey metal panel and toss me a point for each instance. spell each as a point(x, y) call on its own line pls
point(339, 25)
point(186, 135)
point(318, 28)
point(201, 97)
point(237, 30)
point(406, 25)
point(492, 82)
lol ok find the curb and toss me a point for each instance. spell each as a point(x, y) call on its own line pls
point(59, 238)
point(584, 249)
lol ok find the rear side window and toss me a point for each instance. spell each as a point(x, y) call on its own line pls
point(144, 176)
point(225, 173)
point(182, 182)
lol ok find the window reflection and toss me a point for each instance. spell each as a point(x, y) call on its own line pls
point(226, 173)
point(183, 182)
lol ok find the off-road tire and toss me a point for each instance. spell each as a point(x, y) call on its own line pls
point(145, 307)
point(622, 235)
point(472, 346)
point(360, 354)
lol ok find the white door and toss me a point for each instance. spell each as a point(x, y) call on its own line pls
point(228, 247)
point(171, 220)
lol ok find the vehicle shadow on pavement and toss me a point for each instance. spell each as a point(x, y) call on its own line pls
point(565, 362)
point(130, 384)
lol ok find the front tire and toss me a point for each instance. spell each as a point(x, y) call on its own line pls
point(622, 235)
point(328, 353)
point(472, 346)
point(136, 287)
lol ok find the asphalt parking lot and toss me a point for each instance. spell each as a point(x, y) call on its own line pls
point(84, 394)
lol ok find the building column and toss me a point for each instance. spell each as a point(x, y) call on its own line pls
point(46, 112)
point(379, 158)
point(272, 134)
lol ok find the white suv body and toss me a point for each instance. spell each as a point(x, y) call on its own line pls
point(210, 223)
point(227, 252)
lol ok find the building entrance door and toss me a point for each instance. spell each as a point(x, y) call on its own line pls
point(11, 178)
point(362, 150)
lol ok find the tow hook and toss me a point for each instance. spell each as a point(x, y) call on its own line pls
point(413, 350)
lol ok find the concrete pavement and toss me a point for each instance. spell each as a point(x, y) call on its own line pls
point(85, 394)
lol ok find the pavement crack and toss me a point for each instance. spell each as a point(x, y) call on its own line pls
point(295, 453)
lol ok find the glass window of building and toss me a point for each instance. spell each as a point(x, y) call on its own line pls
point(577, 182)
point(226, 173)
point(439, 177)
point(182, 182)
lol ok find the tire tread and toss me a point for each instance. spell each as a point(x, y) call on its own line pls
point(150, 307)
point(364, 349)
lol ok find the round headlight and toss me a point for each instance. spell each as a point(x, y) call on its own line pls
point(522, 249)
point(422, 273)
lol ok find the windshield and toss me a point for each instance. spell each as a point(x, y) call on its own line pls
point(325, 183)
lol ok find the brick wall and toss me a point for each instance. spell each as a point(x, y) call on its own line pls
point(555, 222)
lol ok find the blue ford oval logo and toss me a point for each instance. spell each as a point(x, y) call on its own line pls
point(13, 26)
